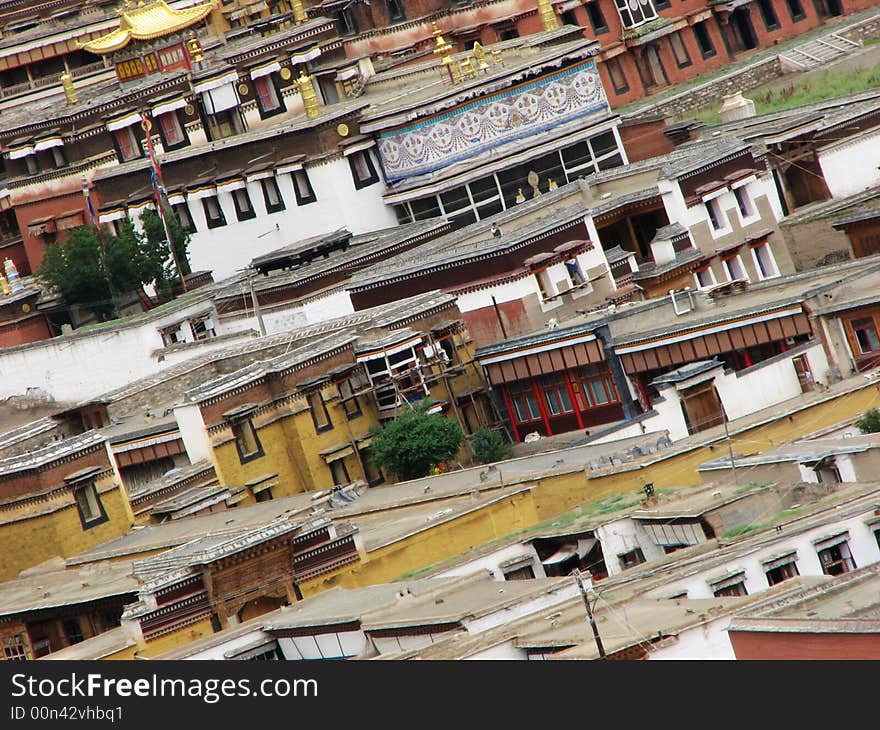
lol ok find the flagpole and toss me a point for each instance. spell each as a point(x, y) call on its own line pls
point(156, 179)
point(94, 219)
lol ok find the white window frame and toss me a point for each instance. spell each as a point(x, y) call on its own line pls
point(742, 188)
point(742, 267)
point(756, 261)
point(715, 200)
point(699, 284)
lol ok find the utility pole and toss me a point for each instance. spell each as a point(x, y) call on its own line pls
point(583, 590)
point(729, 448)
point(256, 302)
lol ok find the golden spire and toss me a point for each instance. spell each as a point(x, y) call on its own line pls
point(69, 90)
point(299, 12)
point(480, 56)
point(307, 92)
point(549, 19)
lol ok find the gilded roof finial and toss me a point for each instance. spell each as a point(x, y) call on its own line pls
point(480, 56)
point(549, 19)
point(307, 92)
point(69, 90)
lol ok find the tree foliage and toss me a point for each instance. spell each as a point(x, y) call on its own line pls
point(869, 422)
point(85, 273)
point(415, 442)
point(75, 270)
point(490, 445)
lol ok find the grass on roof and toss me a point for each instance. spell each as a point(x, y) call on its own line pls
point(804, 89)
point(132, 317)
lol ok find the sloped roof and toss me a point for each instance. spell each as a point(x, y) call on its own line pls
point(146, 22)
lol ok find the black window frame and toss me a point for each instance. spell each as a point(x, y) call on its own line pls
point(332, 466)
point(615, 60)
point(213, 222)
point(243, 215)
point(319, 428)
point(270, 207)
point(282, 105)
point(373, 177)
point(89, 522)
point(796, 16)
point(301, 199)
point(595, 15)
point(702, 25)
point(765, 8)
point(400, 15)
point(346, 399)
point(168, 147)
point(236, 425)
point(188, 223)
point(681, 63)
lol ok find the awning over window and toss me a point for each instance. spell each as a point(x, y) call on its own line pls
point(202, 191)
point(215, 82)
point(530, 364)
point(125, 121)
point(829, 541)
point(48, 143)
point(226, 186)
point(220, 99)
point(305, 56)
point(265, 69)
point(20, 151)
point(679, 534)
point(580, 548)
point(41, 225)
point(695, 346)
point(337, 453)
point(70, 219)
point(169, 106)
point(726, 581)
point(778, 561)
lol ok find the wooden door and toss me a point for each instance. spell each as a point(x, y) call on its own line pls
point(804, 374)
point(702, 407)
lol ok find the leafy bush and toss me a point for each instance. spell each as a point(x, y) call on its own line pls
point(869, 422)
point(490, 446)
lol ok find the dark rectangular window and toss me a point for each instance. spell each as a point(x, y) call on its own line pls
point(269, 101)
point(704, 40)
point(836, 560)
point(320, 416)
point(171, 131)
point(88, 504)
point(796, 10)
point(682, 58)
point(183, 215)
point(73, 630)
point(616, 74)
point(522, 395)
point(395, 10)
point(556, 394)
point(213, 212)
point(635, 12)
point(714, 213)
point(244, 209)
point(737, 589)
point(346, 22)
point(339, 472)
point(743, 202)
point(631, 558)
point(597, 19)
point(349, 400)
point(527, 572)
point(866, 334)
point(302, 186)
point(362, 170)
point(272, 195)
point(246, 440)
point(768, 14)
point(781, 573)
point(127, 144)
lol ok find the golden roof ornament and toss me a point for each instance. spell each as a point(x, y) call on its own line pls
point(69, 89)
point(309, 97)
point(480, 56)
point(299, 12)
point(549, 19)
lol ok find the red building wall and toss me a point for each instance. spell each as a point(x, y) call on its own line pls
point(800, 646)
point(29, 330)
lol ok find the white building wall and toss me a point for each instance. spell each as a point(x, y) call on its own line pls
point(845, 167)
point(193, 432)
point(509, 292)
point(226, 249)
point(522, 608)
point(86, 365)
point(493, 561)
point(707, 641)
point(622, 536)
point(862, 545)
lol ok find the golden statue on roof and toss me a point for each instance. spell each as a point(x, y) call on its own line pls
point(145, 22)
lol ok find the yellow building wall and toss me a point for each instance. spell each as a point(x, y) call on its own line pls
point(443, 541)
point(30, 539)
point(175, 639)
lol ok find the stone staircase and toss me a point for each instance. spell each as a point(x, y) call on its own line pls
point(819, 52)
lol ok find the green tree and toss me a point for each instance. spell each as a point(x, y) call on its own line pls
point(490, 445)
point(76, 271)
point(154, 232)
point(869, 422)
point(415, 442)
point(131, 260)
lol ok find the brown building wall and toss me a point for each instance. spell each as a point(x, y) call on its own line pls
point(813, 241)
point(793, 645)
